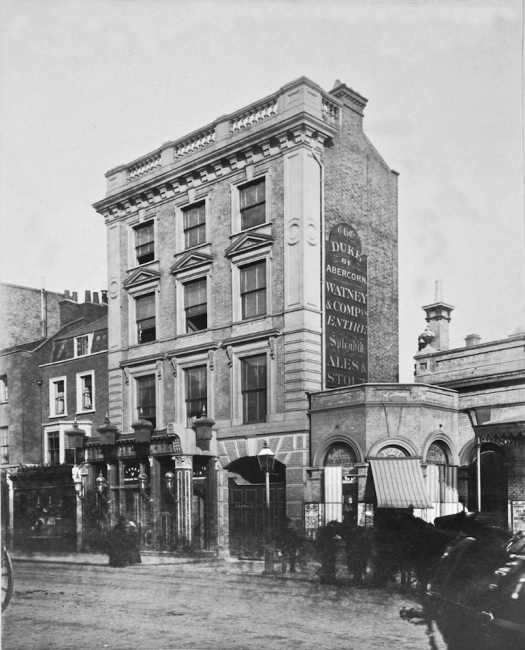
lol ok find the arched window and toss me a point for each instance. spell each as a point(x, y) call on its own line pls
point(393, 450)
point(436, 454)
point(340, 454)
point(441, 481)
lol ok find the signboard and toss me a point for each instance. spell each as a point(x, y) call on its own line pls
point(345, 309)
point(518, 516)
point(340, 454)
point(313, 519)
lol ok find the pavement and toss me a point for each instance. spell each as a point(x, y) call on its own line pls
point(208, 561)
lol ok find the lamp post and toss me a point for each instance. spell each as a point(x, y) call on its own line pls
point(266, 458)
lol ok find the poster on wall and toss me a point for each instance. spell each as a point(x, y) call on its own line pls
point(518, 516)
point(345, 309)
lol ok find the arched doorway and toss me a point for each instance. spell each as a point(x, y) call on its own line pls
point(250, 518)
point(494, 489)
point(340, 483)
point(441, 480)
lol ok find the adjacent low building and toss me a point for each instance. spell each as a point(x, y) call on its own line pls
point(50, 388)
point(489, 379)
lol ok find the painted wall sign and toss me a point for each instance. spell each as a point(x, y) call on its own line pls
point(345, 309)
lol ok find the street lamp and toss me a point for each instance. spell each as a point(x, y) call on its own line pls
point(108, 436)
point(76, 439)
point(170, 481)
point(203, 427)
point(266, 458)
point(142, 429)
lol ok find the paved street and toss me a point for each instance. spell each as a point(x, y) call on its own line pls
point(64, 606)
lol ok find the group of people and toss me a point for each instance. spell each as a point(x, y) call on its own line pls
point(123, 544)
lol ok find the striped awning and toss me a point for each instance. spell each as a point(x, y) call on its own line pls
point(399, 483)
point(509, 430)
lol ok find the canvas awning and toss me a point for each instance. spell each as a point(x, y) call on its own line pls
point(399, 483)
point(508, 430)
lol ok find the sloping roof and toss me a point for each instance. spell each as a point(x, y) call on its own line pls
point(28, 347)
point(516, 418)
point(399, 483)
point(85, 328)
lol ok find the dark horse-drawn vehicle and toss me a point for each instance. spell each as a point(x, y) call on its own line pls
point(471, 580)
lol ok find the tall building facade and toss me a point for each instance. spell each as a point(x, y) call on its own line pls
point(250, 263)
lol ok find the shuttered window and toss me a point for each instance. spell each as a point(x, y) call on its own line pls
point(195, 305)
point(145, 243)
point(253, 290)
point(196, 391)
point(195, 225)
point(252, 200)
point(145, 313)
point(146, 398)
point(254, 398)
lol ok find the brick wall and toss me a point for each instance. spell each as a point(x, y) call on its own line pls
point(20, 316)
point(361, 190)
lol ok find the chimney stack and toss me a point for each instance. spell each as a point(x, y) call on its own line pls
point(472, 339)
point(438, 318)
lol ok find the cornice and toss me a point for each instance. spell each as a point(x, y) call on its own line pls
point(215, 164)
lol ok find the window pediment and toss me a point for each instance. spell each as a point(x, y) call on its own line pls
point(247, 242)
point(191, 260)
point(141, 276)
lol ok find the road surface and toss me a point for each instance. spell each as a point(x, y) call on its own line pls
point(196, 607)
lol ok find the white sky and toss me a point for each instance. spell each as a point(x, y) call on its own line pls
point(88, 85)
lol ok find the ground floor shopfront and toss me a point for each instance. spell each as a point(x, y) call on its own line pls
point(369, 447)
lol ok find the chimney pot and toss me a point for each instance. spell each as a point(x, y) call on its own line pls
point(88, 296)
point(74, 296)
point(104, 295)
point(66, 294)
point(95, 296)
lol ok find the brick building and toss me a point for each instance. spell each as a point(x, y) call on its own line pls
point(489, 379)
point(250, 263)
point(46, 386)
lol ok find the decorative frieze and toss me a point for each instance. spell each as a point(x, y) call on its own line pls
point(254, 116)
